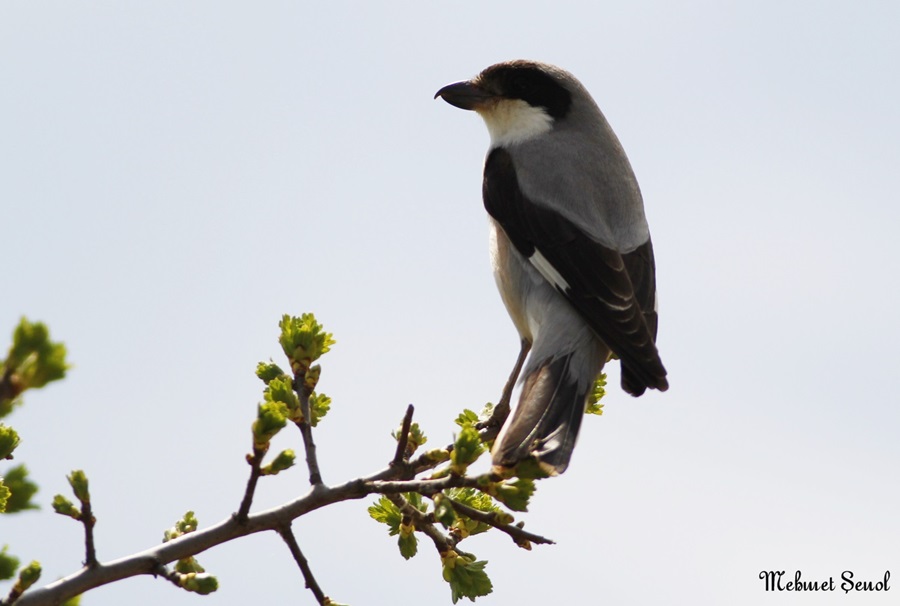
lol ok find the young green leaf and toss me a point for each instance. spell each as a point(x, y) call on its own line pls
point(475, 499)
point(384, 511)
point(188, 523)
point(515, 494)
point(21, 489)
point(28, 576)
point(271, 418)
point(466, 417)
point(594, 407)
point(407, 542)
point(284, 460)
point(443, 510)
point(65, 507)
point(466, 576)
point(281, 390)
point(79, 483)
point(466, 449)
point(200, 583)
point(268, 371)
point(9, 440)
point(415, 438)
point(9, 564)
point(34, 360)
point(188, 565)
point(319, 405)
point(304, 341)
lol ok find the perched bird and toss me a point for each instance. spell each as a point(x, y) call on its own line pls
point(570, 249)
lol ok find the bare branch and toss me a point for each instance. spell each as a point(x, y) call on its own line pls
point(88, 520)
point(424, 487)
point(185, 546)
point(403, 439)
point(288, 535)
point(312, 462)
point(255, 462)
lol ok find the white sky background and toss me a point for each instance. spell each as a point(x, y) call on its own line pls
point(174, 176)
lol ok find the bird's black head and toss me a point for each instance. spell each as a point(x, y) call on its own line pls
point(534, 83)
point(530, 82)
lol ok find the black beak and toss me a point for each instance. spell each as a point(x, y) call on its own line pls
point(464, 95)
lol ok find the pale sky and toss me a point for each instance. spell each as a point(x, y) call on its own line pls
point(174, 176)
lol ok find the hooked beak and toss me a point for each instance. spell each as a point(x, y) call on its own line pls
point(464, 95)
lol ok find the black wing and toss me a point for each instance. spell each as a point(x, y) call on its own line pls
point(614, 293)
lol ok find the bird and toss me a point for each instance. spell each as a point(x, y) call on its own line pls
point(570, 251)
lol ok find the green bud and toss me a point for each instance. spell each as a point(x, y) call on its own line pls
point(29, 575)
point(515, 494)
point(188, 523)
point(268, 371)
point(271, 418)
point(503, 517)
point(415, 438)
point(4, 496)
point(319, 405)
point(436, 455)
point(594, 407)
point(79, 483)
point(281, 389)
point(9, 440)
point(303, 341)
point(201, 583)
point(65, 507)
point(466, 449)
point(530, 468)
point(188, 565)
point(466, 417)
point(284, 460)
point(311, 379)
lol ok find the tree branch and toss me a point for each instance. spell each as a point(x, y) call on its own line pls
point(441, 542)
point(312, 462)
point(288, 535)
point(255, 461)
point(403, 439)
point(88, 520)
point(521, 537)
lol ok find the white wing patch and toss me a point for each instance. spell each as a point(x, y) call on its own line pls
point(547, 270)
point(514, 121)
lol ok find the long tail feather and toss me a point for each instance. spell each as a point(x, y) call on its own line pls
point(545, 421)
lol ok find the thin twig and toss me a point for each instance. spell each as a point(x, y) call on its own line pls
point(312, 462)
point(255, 461)
point(424, 487)
point(288, 535)
point(521, 537)
point(14, 594)
point(403, 439)
point(161, 571)
point(88, 520)
point(441, 542)
point(315, 476)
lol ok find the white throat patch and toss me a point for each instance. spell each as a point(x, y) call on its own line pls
point(514, 121)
